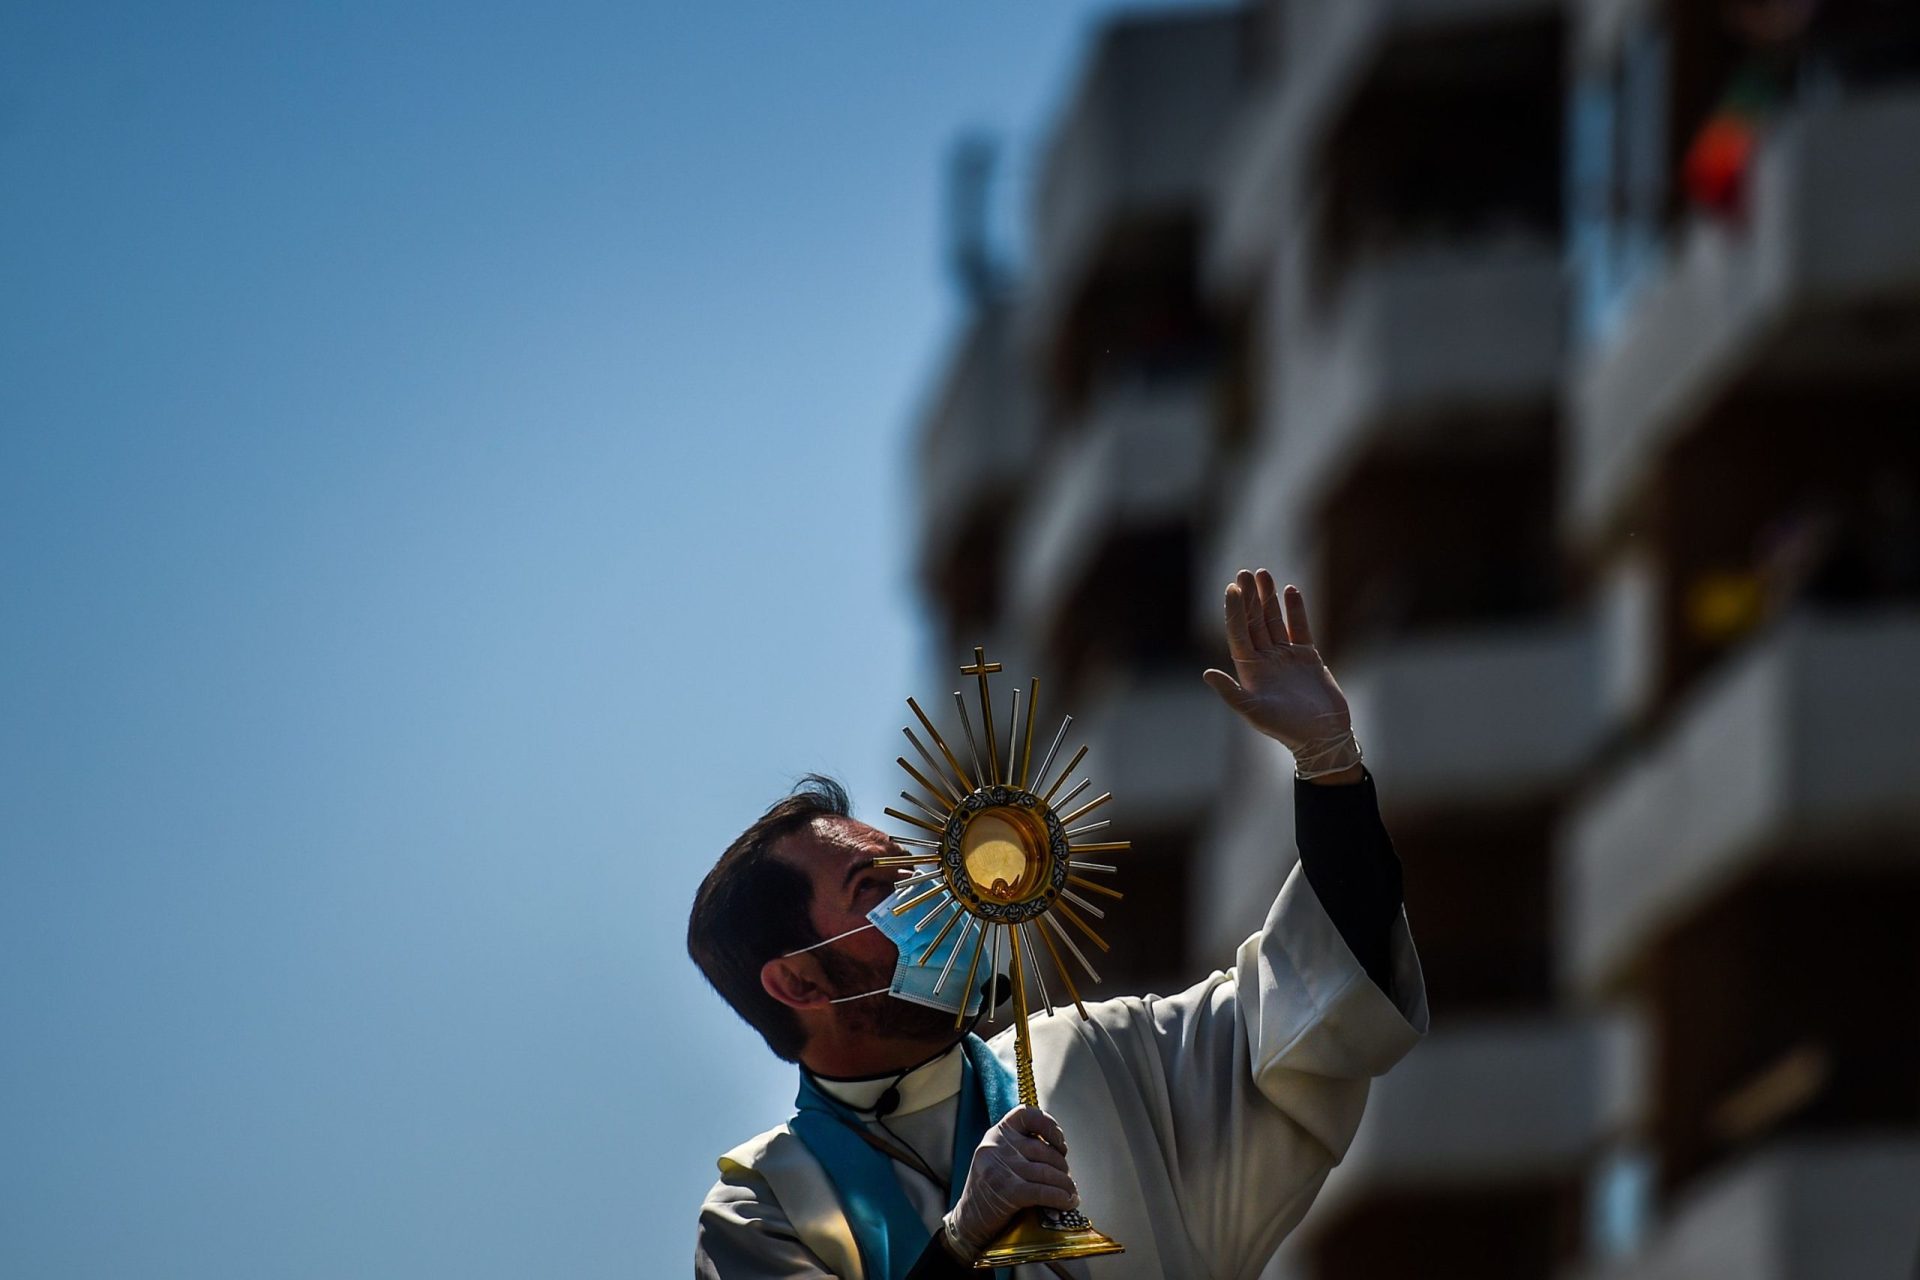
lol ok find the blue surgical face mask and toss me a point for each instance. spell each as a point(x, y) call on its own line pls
point(939, 982)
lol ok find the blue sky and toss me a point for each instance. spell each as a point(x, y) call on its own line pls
point(452, 475)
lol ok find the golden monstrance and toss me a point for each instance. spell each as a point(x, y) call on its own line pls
point(1002, 858)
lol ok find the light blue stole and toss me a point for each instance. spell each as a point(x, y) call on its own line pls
point(889, 1233)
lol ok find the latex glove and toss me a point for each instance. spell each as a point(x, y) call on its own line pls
point(1020, 1163)
point(1283, 688)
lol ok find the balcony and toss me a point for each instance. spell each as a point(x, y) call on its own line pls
point(1416, 342)
point(1459, 340)
point(1161, 746)
point(977, 442)
point(1798, 752)
point(1495, 1102)
point(1135, 140)
point(1430, 723)
point(1823, 283)
point(1804, 1210)
point(1138, 459)
point(1332, 52)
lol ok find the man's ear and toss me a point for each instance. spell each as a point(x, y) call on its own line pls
point(794, 981)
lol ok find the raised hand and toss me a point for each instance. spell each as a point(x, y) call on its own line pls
point(1279, 684)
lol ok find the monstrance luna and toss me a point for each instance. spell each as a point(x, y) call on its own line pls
point(1003, 866)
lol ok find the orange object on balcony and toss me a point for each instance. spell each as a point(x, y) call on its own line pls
point(1718, 161)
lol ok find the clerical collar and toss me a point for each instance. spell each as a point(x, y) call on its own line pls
point(931, 1082)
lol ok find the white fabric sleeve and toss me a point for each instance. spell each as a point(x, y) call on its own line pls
point(1258, 1076)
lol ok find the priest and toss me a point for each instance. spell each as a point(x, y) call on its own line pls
point(1195, 1128)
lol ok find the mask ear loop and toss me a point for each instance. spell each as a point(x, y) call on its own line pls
point(824, 941)
point(835, 938)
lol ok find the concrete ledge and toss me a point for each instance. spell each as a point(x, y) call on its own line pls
point(1475, 1103)
point(1805, 742)
point(1140, 457)
point(1415, 339)
point(1160, 745)
point(1425, 720)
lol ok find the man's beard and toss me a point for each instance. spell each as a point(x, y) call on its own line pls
point(883, 1016)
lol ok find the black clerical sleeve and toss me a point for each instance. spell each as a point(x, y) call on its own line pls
point(935, 1263)
point(1349, 860)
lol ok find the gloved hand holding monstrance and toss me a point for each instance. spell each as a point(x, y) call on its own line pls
point(1193, 1127)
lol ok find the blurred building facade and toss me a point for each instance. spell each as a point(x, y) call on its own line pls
point(1567, 353)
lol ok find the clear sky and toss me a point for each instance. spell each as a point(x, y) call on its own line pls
point(452, 476)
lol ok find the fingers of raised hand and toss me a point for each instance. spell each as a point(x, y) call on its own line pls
point(1270, 607)
point(1262, 617)
point(1239, 637)
point(1255, 610)
point(1226, 686)
point(1297, 628)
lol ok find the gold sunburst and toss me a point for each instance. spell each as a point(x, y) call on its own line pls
point(1001, 851)
point(1006, 863)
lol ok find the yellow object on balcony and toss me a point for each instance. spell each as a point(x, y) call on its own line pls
point(1724, 606)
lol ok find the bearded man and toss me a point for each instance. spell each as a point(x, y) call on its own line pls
point(1197, 1128)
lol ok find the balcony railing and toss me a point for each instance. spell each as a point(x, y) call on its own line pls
point(1430, 723)
point(1493, 1102)
point(1161, 747)
point(1411, 341)
point(1802, 749)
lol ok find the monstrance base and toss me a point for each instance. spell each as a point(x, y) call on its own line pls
point(1046, 1235)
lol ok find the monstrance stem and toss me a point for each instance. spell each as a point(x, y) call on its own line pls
point(1022, 1043)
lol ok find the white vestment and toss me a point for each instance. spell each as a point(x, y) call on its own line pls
point(1199, 1126)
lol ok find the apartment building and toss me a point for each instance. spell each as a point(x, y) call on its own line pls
point(1742, 495)
point(1567, 352)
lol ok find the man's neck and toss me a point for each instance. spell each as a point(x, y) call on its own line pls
point(866, 1058)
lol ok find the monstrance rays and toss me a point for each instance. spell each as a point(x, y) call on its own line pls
point(1068, 798)
point(923, 806)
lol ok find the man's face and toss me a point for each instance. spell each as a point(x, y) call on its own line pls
point(837, 855)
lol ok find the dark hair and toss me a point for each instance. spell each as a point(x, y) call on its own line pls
point(753, 907)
